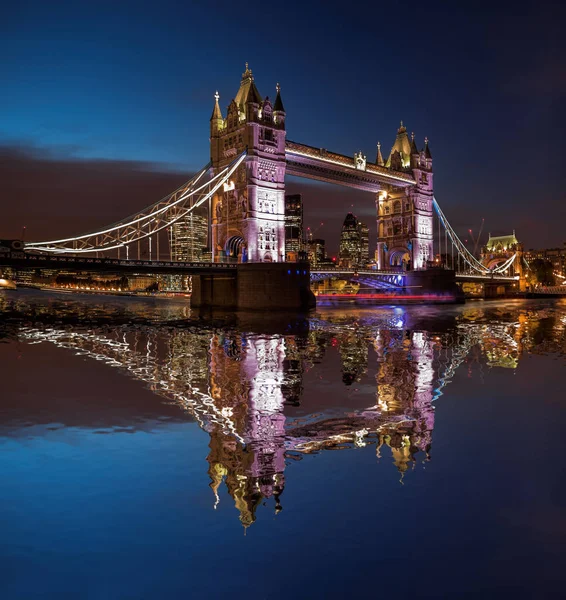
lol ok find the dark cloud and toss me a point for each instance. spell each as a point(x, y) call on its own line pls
point(54, 195)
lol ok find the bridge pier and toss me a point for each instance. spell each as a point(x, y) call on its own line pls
point(215, 290)
point(255, 286)
point(434, 282)
point(495, 290)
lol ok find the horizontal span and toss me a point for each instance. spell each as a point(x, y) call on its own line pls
point(318, 163)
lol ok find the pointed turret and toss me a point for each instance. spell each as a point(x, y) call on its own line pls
point(253, 95)
point(216, 120)
point(379, 159)
point(278, 108)
point(402, 146)
point(414, 149)
point(216, 112)
point(248, 94)
point(415, 155)
point(427, 149)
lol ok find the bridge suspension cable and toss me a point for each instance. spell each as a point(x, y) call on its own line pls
point(468, 257)
point(505, 265)
point(147, 222)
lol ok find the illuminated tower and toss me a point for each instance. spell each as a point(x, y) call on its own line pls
point(247, 436)
point(248, 215)
point(404, 215)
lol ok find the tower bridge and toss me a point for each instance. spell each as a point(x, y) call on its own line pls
point(243, 187)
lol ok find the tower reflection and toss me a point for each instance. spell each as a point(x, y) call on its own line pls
point(253, 393)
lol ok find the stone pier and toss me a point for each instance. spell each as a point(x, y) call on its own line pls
point(255, 286)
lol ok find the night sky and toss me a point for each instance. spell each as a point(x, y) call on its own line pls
point(105, 105)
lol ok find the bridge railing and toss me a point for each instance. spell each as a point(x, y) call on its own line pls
point(33, 261)
point(551, 289)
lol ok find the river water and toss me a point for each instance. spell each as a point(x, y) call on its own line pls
point(147, 451)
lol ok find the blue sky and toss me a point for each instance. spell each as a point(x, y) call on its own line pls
point(134, 81)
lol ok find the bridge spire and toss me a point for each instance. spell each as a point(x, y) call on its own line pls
point(414, 149)
point(379, 159)
point(247, 74)
point(278, 106)
point(216, 120)
point(427, 149)
point(400, 155)
point(247, 93)
point(216, 112)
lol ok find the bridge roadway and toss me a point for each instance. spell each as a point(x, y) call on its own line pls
point(25, 260)
point(390, 275)
point(245, 286)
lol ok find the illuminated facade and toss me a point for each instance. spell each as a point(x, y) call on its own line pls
point(248, 213)
point(189, 237)
point(404, 215)
point(500, 250)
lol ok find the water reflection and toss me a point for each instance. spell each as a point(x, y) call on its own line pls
point(245, 384)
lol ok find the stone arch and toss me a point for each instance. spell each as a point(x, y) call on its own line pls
point(399, 255)
point(235, 247)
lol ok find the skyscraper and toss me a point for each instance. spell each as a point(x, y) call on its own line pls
point(293, 226)
point(349, 242)
point(364, 244)
point(188, 237)
point(316, 252)
point(354, 243)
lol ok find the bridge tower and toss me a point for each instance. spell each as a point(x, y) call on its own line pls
point(500, 249)
point(404, 215)
point(248, 215)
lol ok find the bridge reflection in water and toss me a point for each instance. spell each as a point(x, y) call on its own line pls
point(246, 389)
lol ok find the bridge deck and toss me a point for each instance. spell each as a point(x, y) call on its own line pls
point(23, 260)
point(322, 165)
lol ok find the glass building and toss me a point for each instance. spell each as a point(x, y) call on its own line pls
point(293, 226)
point(188, 238)
point(354, 243)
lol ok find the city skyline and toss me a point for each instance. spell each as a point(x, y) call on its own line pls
point(125, 146)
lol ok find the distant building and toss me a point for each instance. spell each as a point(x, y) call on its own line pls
point(364, 244)
point(556, 256)
point(188, 238)
point(316, 252)
point(354, 243)
point(142, 282)
point(293, 226)
point(349, 242)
